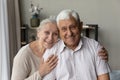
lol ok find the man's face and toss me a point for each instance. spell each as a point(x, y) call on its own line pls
point(70, 32)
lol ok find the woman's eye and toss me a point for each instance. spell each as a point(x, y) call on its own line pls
point(46, 32)
point(56, 34)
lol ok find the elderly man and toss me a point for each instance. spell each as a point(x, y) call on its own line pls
point(78, 56)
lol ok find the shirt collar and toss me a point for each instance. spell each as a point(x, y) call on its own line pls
point(79, 45)
point(62, 46)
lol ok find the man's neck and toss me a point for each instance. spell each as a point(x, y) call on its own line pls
point(72, 47)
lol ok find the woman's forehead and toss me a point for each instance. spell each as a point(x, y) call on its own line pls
point(50, 27)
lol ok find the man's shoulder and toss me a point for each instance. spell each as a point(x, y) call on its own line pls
point(89, 40)
point(91, 43)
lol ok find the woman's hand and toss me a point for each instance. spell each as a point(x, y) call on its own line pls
point(104, 54)
point(47, 66)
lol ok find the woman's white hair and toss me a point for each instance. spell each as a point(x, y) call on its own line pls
point(45, 21)
point(66, 14)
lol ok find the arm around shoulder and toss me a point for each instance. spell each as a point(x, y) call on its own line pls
point(104, 77)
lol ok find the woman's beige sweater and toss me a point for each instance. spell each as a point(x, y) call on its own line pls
point(26, 65)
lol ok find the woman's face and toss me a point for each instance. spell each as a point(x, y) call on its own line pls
point(48, 35)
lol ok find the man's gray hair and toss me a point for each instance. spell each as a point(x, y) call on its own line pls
point(45, 21)
point(66, 14)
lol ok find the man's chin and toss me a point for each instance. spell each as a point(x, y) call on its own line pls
point(70, 41)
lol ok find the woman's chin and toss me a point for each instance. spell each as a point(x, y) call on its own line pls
point(48, 46)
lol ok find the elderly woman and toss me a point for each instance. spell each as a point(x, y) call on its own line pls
point(28, 63)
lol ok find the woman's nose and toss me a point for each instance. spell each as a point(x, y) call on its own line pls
point(50, 37)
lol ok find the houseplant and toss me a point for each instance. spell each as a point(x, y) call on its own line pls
point(35, 13)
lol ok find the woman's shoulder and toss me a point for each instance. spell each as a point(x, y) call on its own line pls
point(23, 53)
point(21, 61)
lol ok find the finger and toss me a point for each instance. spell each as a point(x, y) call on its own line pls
point(49, 58)
point(52, 59)
point(105, 58)
point(54, 62)
point(52, 67)
point(103, 52)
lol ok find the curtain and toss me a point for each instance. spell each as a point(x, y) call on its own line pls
point(14, 28)
point(9, 35)
point(4, 42)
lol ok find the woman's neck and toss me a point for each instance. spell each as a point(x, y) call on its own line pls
point(37, 48)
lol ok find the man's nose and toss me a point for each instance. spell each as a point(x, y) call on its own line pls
point(69, 32)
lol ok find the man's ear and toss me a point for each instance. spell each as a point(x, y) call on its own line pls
point(81, 25)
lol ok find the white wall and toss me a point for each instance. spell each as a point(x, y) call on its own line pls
point(105, 13)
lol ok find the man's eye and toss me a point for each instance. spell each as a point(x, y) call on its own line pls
point(72, 26)
point(63, 29)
